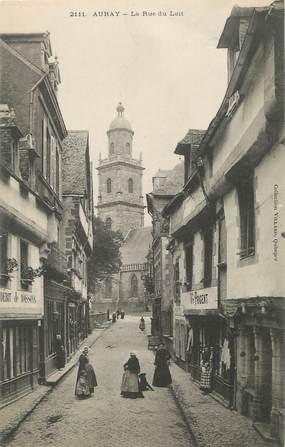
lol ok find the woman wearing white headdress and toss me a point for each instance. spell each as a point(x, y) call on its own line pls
point(86, 378)
point(130, 380)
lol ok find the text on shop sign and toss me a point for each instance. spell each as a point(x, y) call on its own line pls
point(8, 297)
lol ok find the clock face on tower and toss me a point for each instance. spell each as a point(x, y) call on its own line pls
point(120, 198)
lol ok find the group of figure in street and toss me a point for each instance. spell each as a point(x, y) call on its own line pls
point(134, 382)
point(117, 315)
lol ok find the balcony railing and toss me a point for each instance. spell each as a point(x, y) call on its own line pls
point(113, 158)
point(133, 267)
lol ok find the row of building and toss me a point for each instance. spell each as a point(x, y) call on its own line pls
point(217, 258)
point(46, 207)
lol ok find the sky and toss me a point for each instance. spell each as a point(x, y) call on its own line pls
point(165, 69)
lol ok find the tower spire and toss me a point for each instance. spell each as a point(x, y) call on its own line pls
point(120, 109)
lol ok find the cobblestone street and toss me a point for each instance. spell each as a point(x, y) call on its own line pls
point(107, 419)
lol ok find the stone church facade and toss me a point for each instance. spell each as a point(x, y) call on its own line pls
point(120, 198)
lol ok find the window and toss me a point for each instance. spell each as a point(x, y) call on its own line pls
point(14, 155)
point(128, 148)
point(109, 185)
point(24, 259)
point(3, 260)
point(189, 265)
point(57, 168)
point(247, 218)
point(177, 280)
point(131, 185)
point(109, 223)
point(44, 147)
point(208, 256)
point(17, 349)
point(112, 149)
point(134, 286)
point(48, 155)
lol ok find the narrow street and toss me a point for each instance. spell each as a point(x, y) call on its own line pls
point(106, 419)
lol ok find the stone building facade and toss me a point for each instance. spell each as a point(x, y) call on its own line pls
point(120, 199)
point(132, 293)
point(29, 82)
point(77, 193)
point(23, 239)
point(32, 213)
point(166, 184)
point(227, 228)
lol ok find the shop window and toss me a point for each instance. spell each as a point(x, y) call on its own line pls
point(134, 286)
point(109, 185)
point(131, 185)
point(208, 257)
point(189, 266)
point(4, 278)
point(50, 327)
point(17, 351)
point(247, 218)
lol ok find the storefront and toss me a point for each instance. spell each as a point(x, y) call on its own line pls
point(53, 325)
point(21, 314)
point(209, 335)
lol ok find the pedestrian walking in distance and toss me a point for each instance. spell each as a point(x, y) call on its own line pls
point(114, 317)
point(60, 352)
point(122, 314)
point(86, 378)
point(118, 313)
point(162, 376)
point(142, 324)
point(130, 381)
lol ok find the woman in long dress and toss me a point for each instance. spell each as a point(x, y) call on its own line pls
point(206, 371)
point(162, 376)
point(130, 380)
point(142, 324)
point(86, 378)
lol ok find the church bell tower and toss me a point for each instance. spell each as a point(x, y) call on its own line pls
point(120, 197)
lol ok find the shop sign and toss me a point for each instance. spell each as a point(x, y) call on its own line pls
point(14, 302)
point(201, 299)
